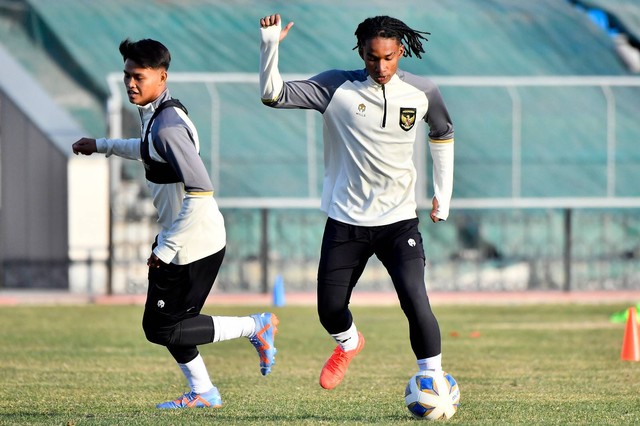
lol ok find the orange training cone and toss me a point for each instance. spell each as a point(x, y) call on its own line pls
point(631, 342)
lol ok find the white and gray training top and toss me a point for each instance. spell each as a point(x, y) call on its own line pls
point(192, 226)
point(369, 133)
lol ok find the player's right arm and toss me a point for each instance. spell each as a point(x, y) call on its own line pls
point(313, 93)
point(125, 148)
point(271, 34)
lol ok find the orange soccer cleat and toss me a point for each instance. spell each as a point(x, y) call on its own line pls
point(336, 366)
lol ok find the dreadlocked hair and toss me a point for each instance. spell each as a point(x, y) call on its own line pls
point(387, 27)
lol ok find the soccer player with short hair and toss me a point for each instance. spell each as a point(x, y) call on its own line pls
point(188, 251)
point(369, 118)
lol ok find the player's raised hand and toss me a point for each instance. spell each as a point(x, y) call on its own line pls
point(84, 146)
point(271, 20)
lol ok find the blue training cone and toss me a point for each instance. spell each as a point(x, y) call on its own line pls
point(278, 292)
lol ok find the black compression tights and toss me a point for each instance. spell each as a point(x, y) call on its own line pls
point(424, 331)
point(408, 280)
point(182, 338)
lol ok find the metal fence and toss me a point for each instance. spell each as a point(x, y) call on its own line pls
point(476, 250)
point(512, 241)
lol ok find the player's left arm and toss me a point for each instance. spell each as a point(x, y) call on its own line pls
point(442, 153)
point(182, 155)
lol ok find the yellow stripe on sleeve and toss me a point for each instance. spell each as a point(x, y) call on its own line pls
point(201, 194)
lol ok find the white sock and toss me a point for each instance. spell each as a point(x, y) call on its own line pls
point(348, 340)
point(197, 375)
point(227, 328)
point(433, 363)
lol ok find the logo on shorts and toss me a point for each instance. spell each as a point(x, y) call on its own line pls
point(411, 242)
point(160, 304)
point(407, 118)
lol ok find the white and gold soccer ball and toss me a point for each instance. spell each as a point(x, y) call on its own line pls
point(432, 395)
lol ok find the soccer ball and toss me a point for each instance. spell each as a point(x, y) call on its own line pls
point(432, 395)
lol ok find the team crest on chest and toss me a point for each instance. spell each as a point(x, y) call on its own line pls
point(362, 109)
point(407, 118)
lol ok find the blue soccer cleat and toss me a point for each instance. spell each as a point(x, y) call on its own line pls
point(209, 399)
point(262, 340)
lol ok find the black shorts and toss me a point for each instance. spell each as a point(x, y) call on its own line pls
point(178, 292)
point(347, 248)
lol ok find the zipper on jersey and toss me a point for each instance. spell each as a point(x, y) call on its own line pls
point(384, 114)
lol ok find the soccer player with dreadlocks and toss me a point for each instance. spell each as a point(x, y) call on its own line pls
point(368, 194)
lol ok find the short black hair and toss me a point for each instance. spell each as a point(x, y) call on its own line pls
point(146, 52)
point(387, 27)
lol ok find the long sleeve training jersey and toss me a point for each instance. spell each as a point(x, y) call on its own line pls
point(369, 134)
point(192, 226)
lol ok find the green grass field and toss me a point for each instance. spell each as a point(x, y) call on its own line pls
point(544, 364)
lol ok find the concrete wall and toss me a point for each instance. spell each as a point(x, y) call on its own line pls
point(88, 226)
point(53, 206)
point(33, 216)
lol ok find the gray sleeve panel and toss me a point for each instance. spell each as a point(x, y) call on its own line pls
point(437, 117)
point(316, 92)
point(172, 135)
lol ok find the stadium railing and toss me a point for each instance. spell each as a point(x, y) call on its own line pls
point(553, 242)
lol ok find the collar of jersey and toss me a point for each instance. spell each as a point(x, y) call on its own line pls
point(394, 79)
point(146, 111)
